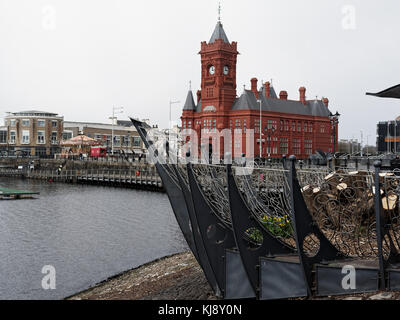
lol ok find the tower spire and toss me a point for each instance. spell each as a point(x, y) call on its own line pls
point(219, 12)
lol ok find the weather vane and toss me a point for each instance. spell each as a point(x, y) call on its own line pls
point(219, 12)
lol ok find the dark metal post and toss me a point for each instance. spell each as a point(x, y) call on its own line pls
point(379, 223)
point(284, 161)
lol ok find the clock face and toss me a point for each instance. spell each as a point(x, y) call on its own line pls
point(212, 70)
point(226, 70)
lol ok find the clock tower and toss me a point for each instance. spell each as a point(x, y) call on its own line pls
point(218, 72)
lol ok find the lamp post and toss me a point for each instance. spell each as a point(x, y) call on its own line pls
point(272, 130)
point(362, 142)
point(367, 144)
point(260, 102)
point(388, 141)
point(170, 105)
point(170, 120)
point(395, 136)
point(334, 118)
point(114, 111)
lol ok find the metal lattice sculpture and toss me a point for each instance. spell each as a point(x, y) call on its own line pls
point(212, 181)
point(266, 192)
point(390, 194)
point(342, 205)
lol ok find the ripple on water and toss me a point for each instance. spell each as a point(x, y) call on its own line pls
point(87, 233)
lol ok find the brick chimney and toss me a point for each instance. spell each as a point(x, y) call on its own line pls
point(302, 95)
point(198, 96)
point(267, 89)
point(326, 102)
point(254, 82)
point(283, 95)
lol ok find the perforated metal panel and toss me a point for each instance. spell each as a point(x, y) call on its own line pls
point(281, 280)
point(237, 283)
point(394, 280)
point(329, 281)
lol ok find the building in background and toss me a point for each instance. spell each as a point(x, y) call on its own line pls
point(388, 140)
point(299, 127)
point(3, 140)
point(33, 133)
point(39, 133)
point(126, 138)
point(349, 146)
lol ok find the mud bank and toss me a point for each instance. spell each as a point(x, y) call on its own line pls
point(177, 277)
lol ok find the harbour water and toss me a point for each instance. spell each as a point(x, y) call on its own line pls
point(87, 233)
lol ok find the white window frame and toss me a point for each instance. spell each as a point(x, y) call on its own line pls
point(117, 142)
point(44, 137)
point(51, 137)
point(12, 141)
point(23, 140)
point(44, 122)
point(26, 120)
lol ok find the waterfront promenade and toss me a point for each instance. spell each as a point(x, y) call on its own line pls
point(122, 174)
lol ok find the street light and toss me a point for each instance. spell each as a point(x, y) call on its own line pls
point(388, 140)
point(272, 130)
point(395, 136)
point(170, 123)
point(114, 111)
point(170, 105)
point(362, 142)
point(260, 102)
point(334, 118)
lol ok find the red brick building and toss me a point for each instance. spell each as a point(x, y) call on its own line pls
point(299, 127)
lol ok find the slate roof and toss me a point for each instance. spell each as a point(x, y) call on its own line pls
point(198, 108)
point(272, 92)
point(219, 33)
point(189, 104)
point(248, 101)
point(33, 112)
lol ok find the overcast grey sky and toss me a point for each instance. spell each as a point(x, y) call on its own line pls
point(80, 57)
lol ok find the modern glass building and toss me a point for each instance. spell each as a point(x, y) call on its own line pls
point(388, 139)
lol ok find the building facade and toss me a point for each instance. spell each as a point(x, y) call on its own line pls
point(126, 138)
point(34, 133)
point(388, 140)
point(299, 127)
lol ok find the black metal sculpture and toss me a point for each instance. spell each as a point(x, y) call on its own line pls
point(218, 238)
point(201, 250)
point(393, 92)
point(174, 192)
point(341, 233)
point(258, 255)
point(388, 226)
